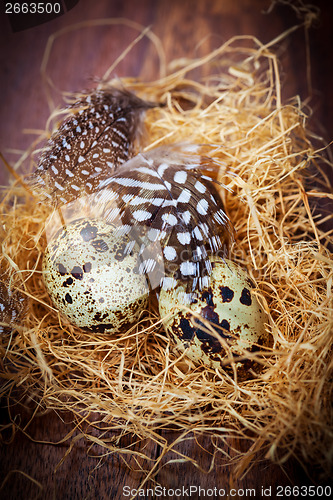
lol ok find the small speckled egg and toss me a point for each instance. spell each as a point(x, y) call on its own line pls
point(229, 307)
point(92, 279)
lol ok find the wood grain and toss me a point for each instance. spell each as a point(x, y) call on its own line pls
point(186, 29)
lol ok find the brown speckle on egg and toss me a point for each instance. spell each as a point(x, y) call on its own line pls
point(246, 297)
point(100, 245)
point(77, 272)
point(87, 267)
point(88, 232)
point(226, 293)
point(68, 282)
point(62, 270)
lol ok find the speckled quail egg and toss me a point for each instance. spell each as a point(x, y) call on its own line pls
point(92, 279)
point(233, 312)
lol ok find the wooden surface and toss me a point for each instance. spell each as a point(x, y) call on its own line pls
point(77, 58)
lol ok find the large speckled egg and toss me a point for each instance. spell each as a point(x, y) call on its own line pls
point(231, 309)
point(92, 279)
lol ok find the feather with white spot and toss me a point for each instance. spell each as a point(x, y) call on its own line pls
point(90, 144)
point(167, 202)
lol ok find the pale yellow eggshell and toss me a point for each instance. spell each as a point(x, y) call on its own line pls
point(231, 309)
point(90, 280)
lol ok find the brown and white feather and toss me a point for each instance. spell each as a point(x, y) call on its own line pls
point(89, 145)
point(165, 199)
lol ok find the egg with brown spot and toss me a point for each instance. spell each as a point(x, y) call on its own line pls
point(227, 318)
point(89, 269)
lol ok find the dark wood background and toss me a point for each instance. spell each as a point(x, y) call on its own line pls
point(77, 58)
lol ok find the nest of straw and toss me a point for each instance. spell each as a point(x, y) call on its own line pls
point(135, 381)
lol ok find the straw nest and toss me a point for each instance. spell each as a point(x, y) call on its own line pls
point(135, 382)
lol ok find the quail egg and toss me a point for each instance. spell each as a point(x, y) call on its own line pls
point(230, 309)
point(92, 278)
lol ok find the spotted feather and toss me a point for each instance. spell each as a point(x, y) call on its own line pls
point(89, 145)
point(165, 200)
